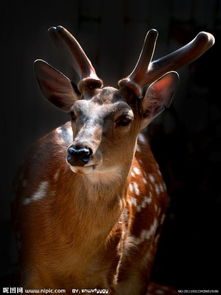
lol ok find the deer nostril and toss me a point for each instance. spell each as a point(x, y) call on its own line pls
point(71, 150)
point(78, 156)
point(85, 153)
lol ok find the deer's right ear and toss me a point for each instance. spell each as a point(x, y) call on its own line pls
point(55, 86)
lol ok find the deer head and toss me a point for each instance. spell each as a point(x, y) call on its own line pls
point(107, 120)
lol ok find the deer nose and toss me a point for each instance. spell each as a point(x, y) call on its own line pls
point(78, 155)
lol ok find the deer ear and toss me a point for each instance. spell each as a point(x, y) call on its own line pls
point(55, 86)
point(159, 96)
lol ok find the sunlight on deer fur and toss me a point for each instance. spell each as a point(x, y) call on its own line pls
point(97, 198)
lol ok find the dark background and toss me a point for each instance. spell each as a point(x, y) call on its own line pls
point(185, 139)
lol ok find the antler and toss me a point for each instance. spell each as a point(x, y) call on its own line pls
point(83, 66)
point(146, 71)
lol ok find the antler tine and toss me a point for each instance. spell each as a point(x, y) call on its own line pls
point(83, 67)
point(182, 56)
point(142, 64)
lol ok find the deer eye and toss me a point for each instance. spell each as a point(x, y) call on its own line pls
point(124, 120)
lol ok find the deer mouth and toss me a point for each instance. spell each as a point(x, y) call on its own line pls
point(83, 170)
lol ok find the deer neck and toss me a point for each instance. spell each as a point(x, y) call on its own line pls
point(98, 201)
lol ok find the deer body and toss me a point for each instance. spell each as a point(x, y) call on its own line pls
point(93, 227)
point(91, 200)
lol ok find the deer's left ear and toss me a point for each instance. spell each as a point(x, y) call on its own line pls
point(159, 96)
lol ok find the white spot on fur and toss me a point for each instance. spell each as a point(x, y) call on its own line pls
point(136, 188)
point(39, 194)
point(151, 232)
point(161, 187)
point(56, 175)
point(132, 174)
point(144, 235)
point(138, 149)
point(157, 189)
point(125, 215)
point(131, 187)
point(146, 200)
point(144, 180)
point(130, 242)
point(152, 178)
point(142, 138)
point(136, 171)
point(133, 201)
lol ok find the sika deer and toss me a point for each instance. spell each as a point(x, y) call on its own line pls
point(92, 201)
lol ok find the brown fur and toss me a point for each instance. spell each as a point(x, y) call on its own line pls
point(77, 235)
point(93, 220)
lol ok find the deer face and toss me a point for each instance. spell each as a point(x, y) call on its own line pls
point(104, 126)
point(106, 120)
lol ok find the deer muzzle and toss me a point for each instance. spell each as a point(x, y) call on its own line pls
point(78, 155)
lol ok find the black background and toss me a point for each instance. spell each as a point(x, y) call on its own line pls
point(185, 139)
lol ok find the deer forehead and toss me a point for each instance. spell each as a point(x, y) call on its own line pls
point(105, 102)
point(107, 95)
